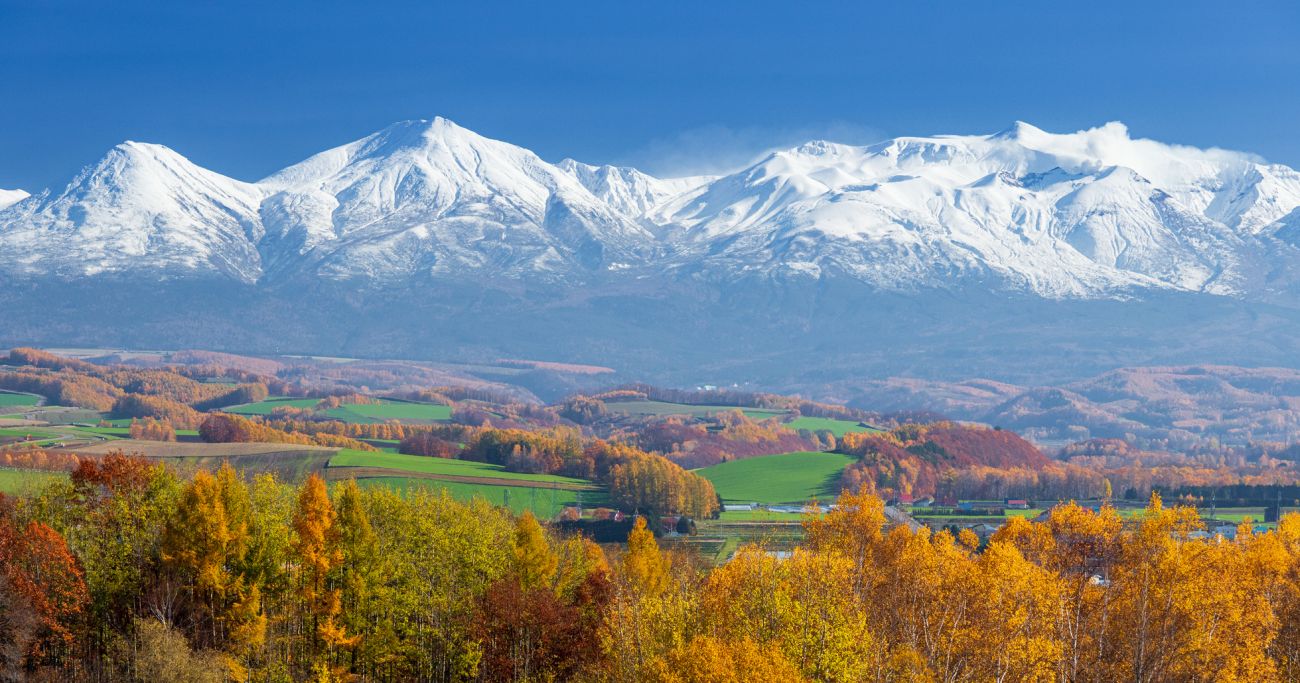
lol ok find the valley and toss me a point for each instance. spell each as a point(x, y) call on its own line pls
point(605, 342)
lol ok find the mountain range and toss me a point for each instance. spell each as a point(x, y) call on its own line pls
point(917, 254)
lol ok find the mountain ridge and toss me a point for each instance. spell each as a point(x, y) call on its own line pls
point(926, 255)
point(1079, 215)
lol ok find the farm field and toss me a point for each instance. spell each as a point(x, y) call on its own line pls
point(446, 467)
point(181, 449)
point(13, 400)
point(761, 515)
point(545, 503)
point(386, 445)
point(786, 478)
point(391, 410)
point(665, 408)
point(1238, 515)
point(719, 539)
point(19, 433)
point(405, 411)
point(191, 435)
point(20, 482)
point(55, 415)
point(265, 407)
point(288, 462)
point(837, 427)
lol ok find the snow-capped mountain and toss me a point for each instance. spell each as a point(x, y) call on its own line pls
point(432, 198)
point(1082, 215)
point(916, 255)
point(8, 197)
point(631, 192)
point(1077, 215)
point(142, 209)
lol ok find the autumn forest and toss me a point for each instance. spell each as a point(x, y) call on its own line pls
point(204, 517)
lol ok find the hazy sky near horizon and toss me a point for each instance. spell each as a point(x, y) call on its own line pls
point(673, 87)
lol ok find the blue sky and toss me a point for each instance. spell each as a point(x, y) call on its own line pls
point(247, 88)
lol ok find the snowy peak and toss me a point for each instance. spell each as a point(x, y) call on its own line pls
point(420, 135)
point(430, 198)
point(432, 140)
point(1020, 131)
point(9, 197)
point(141, 208)
point(627, 190)
point(156, 177)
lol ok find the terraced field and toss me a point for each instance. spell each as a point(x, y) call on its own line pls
point(790, 478)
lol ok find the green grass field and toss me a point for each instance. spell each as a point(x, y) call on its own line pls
point(760, 516)
point(56, 415)
point(390, 410)
point(270, 404)
point(786, 478)
point(22, 433)
point(837, 427)
point(369, 413)
point(124, 432)
point(545, 503)
point(13, 400)
point(17, 482)
point(113, 432)
point(1237, 515)
point(665, 408)
point(444, 466)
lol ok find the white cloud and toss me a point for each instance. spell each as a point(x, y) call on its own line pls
point(715, 149)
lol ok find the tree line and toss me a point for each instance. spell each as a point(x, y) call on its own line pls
point(228, 428)
point(125, 572)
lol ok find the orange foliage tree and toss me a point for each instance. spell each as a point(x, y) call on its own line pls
point(42, 596)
